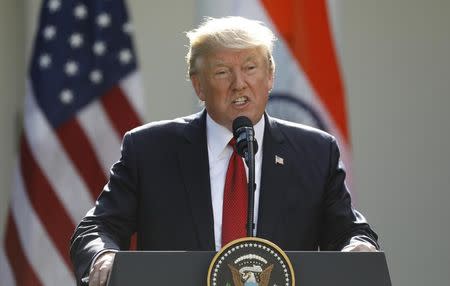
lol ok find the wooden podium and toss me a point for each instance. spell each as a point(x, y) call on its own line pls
point(190, 268)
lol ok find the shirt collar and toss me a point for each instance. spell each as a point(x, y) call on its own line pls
point(218, 137)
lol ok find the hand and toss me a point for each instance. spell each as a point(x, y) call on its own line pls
point(101, 269)
point(359, 247)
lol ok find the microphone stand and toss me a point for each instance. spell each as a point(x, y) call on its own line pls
point(250, 160)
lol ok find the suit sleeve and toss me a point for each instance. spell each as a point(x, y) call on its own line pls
point(340, 221)
point(112, 221)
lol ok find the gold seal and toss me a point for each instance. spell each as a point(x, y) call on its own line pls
point(250, 261)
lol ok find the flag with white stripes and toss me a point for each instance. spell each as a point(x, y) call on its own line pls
point(308, 85)
point(83, 93)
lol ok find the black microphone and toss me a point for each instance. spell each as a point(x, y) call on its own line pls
point(246, 146)
point(244, 134)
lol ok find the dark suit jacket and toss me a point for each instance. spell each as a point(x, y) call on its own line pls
point(160, 188)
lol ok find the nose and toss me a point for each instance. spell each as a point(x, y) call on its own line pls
point(239, 82)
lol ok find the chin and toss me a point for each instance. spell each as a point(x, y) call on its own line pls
point(253, 118)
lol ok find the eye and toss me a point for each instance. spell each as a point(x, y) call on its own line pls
point(221, 73)
point(251, 67)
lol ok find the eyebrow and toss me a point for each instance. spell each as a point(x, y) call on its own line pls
point(220, 63)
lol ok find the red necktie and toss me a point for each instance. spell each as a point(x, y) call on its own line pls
point(235, 196)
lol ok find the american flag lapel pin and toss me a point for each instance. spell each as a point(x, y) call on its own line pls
point(279, 160)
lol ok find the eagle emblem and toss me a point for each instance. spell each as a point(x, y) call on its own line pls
point(251, 276)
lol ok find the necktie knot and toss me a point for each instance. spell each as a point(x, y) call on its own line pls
point(232, 142)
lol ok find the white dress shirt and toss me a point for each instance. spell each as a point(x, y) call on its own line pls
point(219, 153)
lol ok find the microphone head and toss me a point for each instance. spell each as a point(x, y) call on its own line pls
point(241, 121)
point(242, 125)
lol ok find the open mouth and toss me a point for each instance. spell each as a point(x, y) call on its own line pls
point(240, 100)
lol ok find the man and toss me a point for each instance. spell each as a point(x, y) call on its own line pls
point(170, 185)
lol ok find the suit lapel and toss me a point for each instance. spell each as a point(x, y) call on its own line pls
point(275, 174)
point(193, 156)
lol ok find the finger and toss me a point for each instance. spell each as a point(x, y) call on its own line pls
point(348, 248)
point(94, 277)
point(104, 273)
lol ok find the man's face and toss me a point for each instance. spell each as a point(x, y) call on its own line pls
point(234, 83)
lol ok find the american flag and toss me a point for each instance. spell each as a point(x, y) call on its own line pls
point(83, 94)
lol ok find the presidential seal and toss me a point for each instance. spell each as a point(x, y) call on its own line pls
point(250, 261)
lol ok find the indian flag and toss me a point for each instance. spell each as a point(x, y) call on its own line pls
point(308, 84)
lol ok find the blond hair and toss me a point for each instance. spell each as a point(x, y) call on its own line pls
point(228, 32)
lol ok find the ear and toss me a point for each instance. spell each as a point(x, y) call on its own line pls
point(271, 79)
point(197, 85)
